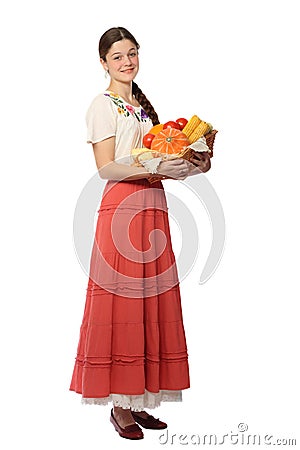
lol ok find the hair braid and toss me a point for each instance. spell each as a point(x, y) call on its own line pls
point(144, 102)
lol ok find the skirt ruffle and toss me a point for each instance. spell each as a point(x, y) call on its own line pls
point(136, 402)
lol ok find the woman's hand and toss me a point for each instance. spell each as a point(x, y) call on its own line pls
point(176, 168)
point(201, 160)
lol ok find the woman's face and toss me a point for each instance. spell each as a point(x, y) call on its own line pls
point(122, 61)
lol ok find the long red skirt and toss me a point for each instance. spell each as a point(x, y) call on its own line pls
point(132, 337)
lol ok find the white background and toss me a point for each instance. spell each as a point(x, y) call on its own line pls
point(232, 62)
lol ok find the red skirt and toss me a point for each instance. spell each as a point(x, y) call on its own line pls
point(132, 336)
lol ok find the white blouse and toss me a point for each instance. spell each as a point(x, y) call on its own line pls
point(110, 115)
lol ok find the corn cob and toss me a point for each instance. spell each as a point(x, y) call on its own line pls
point(210, 127)
point(201, 129)
point(191, 125)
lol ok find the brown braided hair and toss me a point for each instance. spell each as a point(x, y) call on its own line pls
point(106, 41)
point(144, 102)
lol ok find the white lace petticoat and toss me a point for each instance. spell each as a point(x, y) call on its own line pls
point(136, 402)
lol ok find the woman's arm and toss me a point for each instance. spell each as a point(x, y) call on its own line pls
point(177, 168)
point(201, 163)
point(109, 169)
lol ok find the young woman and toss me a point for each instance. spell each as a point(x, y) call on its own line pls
point(132, 348)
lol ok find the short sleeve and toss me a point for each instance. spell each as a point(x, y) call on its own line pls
point(101, 119)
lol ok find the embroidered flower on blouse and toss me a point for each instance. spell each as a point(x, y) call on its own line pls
point(144, 115)
point(130, 109)
point(127, 110)
point(113, 95)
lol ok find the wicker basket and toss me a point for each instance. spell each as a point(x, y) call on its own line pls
point(210, 139)
point(187, 154)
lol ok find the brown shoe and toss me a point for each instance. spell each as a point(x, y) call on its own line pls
point(130, 432)
point(149, 422)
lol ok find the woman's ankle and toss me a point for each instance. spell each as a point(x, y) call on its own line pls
point(123, 416)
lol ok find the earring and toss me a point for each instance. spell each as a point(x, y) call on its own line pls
point(106, 74)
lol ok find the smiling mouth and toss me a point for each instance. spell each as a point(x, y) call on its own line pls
point(128, 70)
